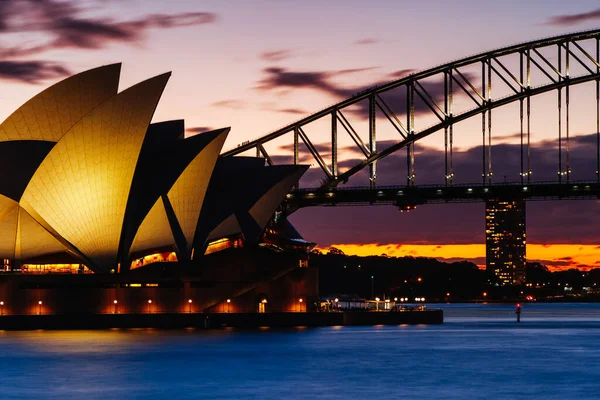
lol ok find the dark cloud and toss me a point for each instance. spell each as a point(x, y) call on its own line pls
point(199, 129)
point(365, 41)
point(62, 24)
point(281, 79)
point(235, 104)
point(278, 78)
point(556, 263)
point(508, 137)
point(573, 19)
point(295, 111)
point(31, 71)
point(401, 73)
point(276, 55)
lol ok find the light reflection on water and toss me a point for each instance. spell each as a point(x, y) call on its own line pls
point(479, 352)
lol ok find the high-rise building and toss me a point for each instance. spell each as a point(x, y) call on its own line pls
point(505, 240)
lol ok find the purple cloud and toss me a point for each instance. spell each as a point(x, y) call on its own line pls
point(62, 24)
point(199, 129)
point(366, 41)
point(282, 79)
point(573, 19)
point(31, 71)
point(276, 55)
point(234, 104)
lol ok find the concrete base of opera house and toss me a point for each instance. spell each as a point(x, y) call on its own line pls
point(216, 320)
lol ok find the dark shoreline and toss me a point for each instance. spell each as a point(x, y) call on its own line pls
point(216, 320)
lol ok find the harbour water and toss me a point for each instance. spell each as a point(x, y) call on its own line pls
point(480, 352)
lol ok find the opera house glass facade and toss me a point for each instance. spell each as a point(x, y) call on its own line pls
point(94, 193)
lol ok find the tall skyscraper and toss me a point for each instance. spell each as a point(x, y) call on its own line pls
point(505, 240)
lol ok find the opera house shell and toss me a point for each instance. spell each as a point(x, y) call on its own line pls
point(90, 184)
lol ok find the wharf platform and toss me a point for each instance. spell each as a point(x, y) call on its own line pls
point(216, 320)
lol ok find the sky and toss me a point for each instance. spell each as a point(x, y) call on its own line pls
point(258, 65)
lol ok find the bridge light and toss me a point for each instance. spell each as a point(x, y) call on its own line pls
point(469, 190)
point(524, 188)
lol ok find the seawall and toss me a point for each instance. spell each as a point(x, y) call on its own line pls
point(216, 320)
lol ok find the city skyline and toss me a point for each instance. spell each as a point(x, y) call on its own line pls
point(257, 82)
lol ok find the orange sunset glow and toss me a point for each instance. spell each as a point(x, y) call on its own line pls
point(555, 256)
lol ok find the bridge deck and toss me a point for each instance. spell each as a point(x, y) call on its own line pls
point(407, 197)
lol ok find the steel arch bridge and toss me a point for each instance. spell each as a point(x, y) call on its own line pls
point(556, 63)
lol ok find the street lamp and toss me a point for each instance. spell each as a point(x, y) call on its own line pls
point(300, 304)
point(336, 300)
point(376, 303)
point(372, 286)
point(115, 303)
point(1, 308)
point(228, 303)
point(149, 304)
point(40, 307)
point(190, 303)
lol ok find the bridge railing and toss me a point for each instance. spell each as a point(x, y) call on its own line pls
point(464, 185)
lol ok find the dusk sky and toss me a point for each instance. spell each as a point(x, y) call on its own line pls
point(258, 65)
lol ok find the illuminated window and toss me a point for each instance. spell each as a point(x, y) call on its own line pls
point(223, 244)
point(40, 269)
point(153, 258)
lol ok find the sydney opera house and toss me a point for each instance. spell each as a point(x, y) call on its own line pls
point(103, 211)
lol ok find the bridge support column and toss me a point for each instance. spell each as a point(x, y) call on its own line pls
point(505, 239)
point(372, 142)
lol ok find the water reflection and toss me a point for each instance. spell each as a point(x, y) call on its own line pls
point(480, 352)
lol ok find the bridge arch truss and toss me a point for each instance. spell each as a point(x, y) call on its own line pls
point(576, 51)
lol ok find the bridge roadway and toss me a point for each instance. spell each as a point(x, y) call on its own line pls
point(407, 197)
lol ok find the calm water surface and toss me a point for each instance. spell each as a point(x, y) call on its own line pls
point(479, 352)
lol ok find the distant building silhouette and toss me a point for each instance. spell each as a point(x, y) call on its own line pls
point(505, 239)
